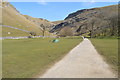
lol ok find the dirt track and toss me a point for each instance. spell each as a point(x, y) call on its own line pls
point(81, 62)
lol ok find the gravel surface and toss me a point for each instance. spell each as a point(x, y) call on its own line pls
point(81, 62)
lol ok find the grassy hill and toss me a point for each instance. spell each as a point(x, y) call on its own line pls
point(13, 32)
point(58, 22)
point(39, 21)
point(12, 17)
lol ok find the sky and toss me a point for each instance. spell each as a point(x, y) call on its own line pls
point(54, 11)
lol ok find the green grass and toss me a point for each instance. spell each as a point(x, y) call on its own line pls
point(14, 32)
point(26, 58)
point(108, 48)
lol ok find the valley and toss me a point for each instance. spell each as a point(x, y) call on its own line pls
point(38, 48)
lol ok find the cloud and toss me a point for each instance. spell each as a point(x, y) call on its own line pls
point(42, 2)
point(88, 4)
point(93, 1)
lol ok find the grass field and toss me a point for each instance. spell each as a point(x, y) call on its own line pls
point(108, 48)
point(26, 58)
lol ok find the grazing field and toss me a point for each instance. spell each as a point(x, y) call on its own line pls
point(26, 58)
point(108, 48)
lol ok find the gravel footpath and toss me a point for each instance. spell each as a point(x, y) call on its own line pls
point(81, 62)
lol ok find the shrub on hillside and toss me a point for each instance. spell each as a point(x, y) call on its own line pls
point(66, 31)
point(33, 33)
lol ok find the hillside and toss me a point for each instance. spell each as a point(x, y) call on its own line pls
point(39, 21)
point(12, 17)
point(58, 22)
point(96, 22)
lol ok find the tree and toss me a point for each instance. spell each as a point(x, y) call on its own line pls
point(91, 24)
point(112, 22)
point(114, 25)
point(43, 29)
point(66, 31)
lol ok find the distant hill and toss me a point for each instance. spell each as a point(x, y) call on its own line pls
point(12, 17)
point(58, 22)
point(96, 21)
point(39, 21)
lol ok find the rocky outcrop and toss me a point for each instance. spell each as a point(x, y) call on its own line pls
point(84, 20)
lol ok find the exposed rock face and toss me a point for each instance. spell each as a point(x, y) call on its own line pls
point(78, 13)
point(95, 19)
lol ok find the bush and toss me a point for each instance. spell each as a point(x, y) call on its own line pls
point(66, 31)
point(33, 33)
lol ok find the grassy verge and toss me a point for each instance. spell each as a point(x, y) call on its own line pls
point(108, 48)
point(26, 58)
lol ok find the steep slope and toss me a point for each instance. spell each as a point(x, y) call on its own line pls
point(12, 17)
point(99, 21)
point(6, 31)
